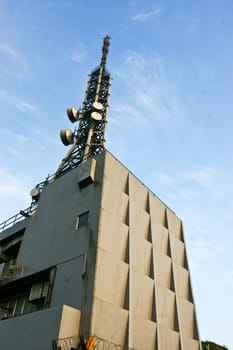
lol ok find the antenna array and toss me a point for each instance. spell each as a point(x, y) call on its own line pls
point(89, 138)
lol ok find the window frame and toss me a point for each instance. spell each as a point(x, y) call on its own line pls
point(82, 220)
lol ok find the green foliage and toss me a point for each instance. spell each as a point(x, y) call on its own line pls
point(208, 345)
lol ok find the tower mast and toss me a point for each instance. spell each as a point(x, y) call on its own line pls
point(89, 138)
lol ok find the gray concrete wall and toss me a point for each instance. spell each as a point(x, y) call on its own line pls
point(37, 330)
point(31, 331)
point(51, 238)
point(68, 284)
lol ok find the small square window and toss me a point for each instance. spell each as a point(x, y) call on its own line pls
point(82, 220)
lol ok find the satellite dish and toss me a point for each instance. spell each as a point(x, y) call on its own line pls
point(35, 194)
point(96, 116)
point(98, 106)
point(73, 114)
point(67, 137)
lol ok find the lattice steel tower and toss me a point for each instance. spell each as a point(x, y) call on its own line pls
point(89, 138)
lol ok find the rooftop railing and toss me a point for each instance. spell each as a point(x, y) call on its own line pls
point(18, 217)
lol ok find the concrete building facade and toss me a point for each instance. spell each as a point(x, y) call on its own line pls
point(101, 257)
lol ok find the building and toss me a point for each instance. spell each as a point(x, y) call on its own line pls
point(97, 261)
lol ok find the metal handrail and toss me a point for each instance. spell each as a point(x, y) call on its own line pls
point(18, 217)
point(28, 211)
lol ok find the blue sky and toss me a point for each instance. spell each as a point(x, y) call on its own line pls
point(170, 116)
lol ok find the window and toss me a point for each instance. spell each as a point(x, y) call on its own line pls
point(27, 294)
point(21, 304)
point(14, 306)
point(9, 249)
point(82, 220)
point(39, 291)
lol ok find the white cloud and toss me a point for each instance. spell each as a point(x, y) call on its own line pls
point(14, 193)
point(194, 181)
point(208, 179)
point(9, 183)
point(145, 101)
point(151, 92)
point(166, 179)
point(24, 106)
point(15, 67)
point(6, 134)
point(147, 15)
point(12, 53)
point(204, 249)
point(204, 176)
point(18, 102)
point(77, 56)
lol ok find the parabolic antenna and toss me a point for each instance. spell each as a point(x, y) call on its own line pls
point(96, 116)
point(73, 114)
point(35, 194)
point(67, 137)
point(98, 106)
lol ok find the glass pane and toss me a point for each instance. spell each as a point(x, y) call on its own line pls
point(83, 219)
point(19, 306)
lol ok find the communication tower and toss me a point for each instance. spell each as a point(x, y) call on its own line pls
point(89, 138)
